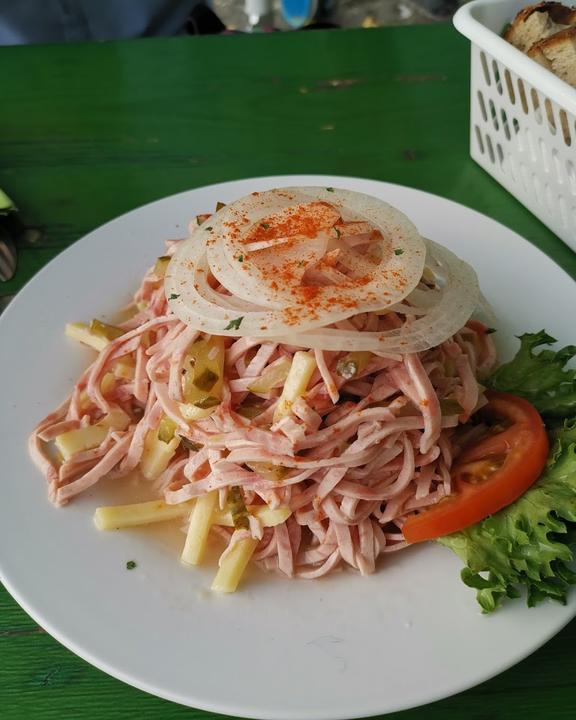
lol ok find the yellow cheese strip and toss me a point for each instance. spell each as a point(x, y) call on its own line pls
point(86, 438)
point(303, 365)
point(200, 523)
point(121, 516)
point(232, 567)
point(81, 332)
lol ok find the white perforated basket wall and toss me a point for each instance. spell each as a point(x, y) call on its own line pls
point(522, 119)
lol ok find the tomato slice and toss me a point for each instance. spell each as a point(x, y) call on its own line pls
point(490, 474)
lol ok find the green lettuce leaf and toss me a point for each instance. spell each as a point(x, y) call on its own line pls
point(541, 378)
point(526, 545)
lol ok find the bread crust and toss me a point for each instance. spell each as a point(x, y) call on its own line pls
point(558, 54)
point(555, 40)
point(537, 22)
point(560, 14)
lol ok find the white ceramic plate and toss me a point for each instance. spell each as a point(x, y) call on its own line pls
point(342, 647)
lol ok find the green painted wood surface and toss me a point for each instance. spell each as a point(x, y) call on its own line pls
point(90, 131)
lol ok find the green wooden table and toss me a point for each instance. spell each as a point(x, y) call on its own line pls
point(88, 132)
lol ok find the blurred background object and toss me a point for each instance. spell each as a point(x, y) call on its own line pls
point(8, 253)
point(43, 21)
point(292, 14)
point(297, 13)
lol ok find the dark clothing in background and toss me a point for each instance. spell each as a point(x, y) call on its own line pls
point(41, 21)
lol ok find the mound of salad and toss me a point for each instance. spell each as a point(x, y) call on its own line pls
point(311, 384)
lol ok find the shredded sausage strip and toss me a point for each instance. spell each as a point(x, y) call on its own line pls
point(357, 455)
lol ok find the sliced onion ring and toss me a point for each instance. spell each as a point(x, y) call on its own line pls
point(273, 278)
point(196, 303)
point(455, 305)
point(253, 302)
point(284, 303)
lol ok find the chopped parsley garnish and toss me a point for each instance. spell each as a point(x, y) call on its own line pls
point(330, 189)
point(398, 251)
point(234, 324)
point(173, 296)
point(240, 258)
point(209, 227)
point(266, 226)
point(131, 564)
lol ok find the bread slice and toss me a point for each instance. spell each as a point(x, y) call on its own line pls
point(538, 22)
point(558, 54)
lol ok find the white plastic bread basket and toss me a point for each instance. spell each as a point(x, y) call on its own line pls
point(522, 120)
